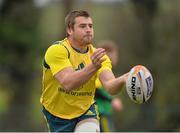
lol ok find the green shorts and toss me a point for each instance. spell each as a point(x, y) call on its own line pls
point(57, 124)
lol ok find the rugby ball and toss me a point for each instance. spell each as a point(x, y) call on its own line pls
point(139, 84)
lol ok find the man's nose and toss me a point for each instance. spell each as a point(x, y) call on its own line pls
point(88, 29)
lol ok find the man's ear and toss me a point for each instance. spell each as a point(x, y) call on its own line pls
point(69, 31)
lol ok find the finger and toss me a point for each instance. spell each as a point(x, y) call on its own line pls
point(98, 49)
point(126, 75)
point(98, 57)
point(97, 52)
point(99, 62)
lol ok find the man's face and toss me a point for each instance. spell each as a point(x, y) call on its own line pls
point(83, 31)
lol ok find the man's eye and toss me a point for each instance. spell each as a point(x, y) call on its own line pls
point(90, 26)
point(82, 26)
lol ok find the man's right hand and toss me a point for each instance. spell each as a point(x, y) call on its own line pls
point(96, 57)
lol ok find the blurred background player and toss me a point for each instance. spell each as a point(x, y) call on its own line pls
point(106, 103)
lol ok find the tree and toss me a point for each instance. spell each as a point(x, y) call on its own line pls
point(145, 11)
point(18, 50)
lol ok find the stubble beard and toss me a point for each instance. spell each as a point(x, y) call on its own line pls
point(87, 40)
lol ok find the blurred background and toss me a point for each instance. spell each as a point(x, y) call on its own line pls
point(147, 32)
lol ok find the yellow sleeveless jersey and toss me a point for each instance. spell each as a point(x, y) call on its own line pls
point(54, 98)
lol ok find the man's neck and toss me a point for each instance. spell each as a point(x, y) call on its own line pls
point(77, 46)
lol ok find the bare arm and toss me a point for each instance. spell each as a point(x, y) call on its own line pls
point(111, 84)
point(71, 79)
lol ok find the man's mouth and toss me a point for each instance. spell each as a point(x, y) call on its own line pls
point(88, 36)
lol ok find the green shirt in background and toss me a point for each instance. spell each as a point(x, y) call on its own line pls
point(103, 100)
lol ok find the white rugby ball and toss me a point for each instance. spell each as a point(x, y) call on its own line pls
point(139, 84)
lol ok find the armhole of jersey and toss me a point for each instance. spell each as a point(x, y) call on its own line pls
point(67, 50)
point(60, 42)
point(45, 64)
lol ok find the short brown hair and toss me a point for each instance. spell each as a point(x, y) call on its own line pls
point(70, 18)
